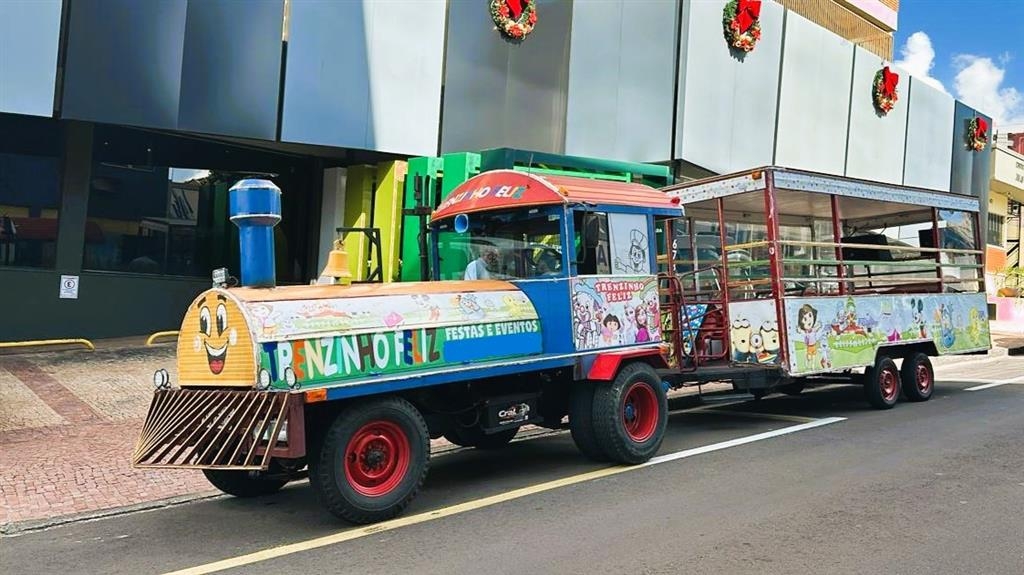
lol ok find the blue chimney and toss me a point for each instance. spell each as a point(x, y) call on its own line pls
point(255, 207)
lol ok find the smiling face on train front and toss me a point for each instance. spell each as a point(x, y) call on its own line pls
point(214, 343)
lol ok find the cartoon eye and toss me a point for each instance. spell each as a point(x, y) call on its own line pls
point(204, 320)
point(745, 323)
point(222, 319)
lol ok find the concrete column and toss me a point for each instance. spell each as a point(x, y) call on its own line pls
point(76, 173)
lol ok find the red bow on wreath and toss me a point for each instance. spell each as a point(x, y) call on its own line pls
point(889, 81)
point(980, 128)
point(746, 12)
point(516, 6)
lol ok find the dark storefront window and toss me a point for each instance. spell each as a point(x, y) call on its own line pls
point(996, 223)
point(29, 191)
point(158, 204)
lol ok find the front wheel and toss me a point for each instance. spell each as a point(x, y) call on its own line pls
point(882, 383)
point(373, 460)
point(918, 377)
point(243, 483)
point(630, 414)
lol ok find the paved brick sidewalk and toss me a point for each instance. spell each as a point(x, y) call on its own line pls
point(69, 421)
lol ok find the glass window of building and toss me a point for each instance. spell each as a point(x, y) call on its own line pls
point(158, 204)
point(996, 223)
point(29, 191)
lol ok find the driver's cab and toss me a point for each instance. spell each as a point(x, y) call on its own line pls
point(582, 250)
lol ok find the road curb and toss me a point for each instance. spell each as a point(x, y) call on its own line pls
point(32, 525)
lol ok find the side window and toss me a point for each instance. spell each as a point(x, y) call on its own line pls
point(630, 244)
point(592, 254)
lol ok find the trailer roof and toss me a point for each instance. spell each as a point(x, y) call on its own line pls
point(806, 181)
point(500, 189)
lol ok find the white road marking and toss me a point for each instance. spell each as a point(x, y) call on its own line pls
point(356, 533)
point(988, 384)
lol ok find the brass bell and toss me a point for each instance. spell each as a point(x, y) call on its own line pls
point(337, 264)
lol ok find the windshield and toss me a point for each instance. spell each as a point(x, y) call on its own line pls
point(506, 244)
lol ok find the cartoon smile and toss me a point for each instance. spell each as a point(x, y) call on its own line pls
point(215, 357)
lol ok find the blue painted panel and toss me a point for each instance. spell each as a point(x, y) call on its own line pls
point(365, 389)
point(551, 300)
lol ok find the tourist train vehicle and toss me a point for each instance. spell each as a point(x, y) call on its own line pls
point(589, 301)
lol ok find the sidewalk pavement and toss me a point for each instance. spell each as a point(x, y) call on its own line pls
point(69, 420)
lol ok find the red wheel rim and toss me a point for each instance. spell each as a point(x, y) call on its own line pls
point(888, 382)
point(377, 458)
point(924, 378)
point(640, 412)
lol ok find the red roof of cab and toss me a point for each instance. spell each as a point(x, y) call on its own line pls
point(499, 189)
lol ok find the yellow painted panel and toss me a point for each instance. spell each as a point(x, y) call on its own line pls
point(359, 184)
point(387, 213)
point(215, 345)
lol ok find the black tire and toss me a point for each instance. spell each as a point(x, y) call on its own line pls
point(475, 437)
point(390, 428)
point(794, 388)
point(882, 383)
point(581, 421)
point(627, 438)
point(243, 483)
point(917, 377)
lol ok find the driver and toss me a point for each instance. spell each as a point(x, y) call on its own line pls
point(484, 267)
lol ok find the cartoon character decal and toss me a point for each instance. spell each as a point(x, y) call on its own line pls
point(853, 336)
point(769, 336)
point(615, 310)
point(214, 343)
point(739, 336)
point(815, 344)
point(586, 327)
point(637, 263)
point(610, 330)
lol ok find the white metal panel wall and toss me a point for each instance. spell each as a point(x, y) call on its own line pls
point(29, 37)
point(814, 99)
point(877, 143)
point(505, 94)
point(365, 74)
point(929, 133)
point(727, 104)
point(620, 97)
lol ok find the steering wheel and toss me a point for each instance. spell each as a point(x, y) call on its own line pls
point(535, 254)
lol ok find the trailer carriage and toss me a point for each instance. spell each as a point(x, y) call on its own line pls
point(787, 278)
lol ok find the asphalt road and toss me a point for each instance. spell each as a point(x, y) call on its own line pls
point(936, 487)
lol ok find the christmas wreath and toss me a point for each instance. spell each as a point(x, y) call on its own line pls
point(514, 18)
point(884, 90)
point(977, 134)
point(741, 21)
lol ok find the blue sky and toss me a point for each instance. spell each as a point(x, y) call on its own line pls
point(972, 49)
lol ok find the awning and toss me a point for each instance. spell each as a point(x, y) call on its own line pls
point(500, 189)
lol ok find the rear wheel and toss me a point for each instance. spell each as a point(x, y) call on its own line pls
point(475, 437)
point(882, 383)
point(374, 459)
point(630, 414)
point(918, 377)
point(581, 421)
point(243, 483)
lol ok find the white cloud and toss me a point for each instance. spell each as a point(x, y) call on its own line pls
point(979, 84)
point(918, 58)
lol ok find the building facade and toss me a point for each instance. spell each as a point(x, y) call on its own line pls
point(123, 123)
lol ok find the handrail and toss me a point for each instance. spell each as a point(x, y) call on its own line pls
point(160, 334)
point(40, 342)
point(765, 243)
